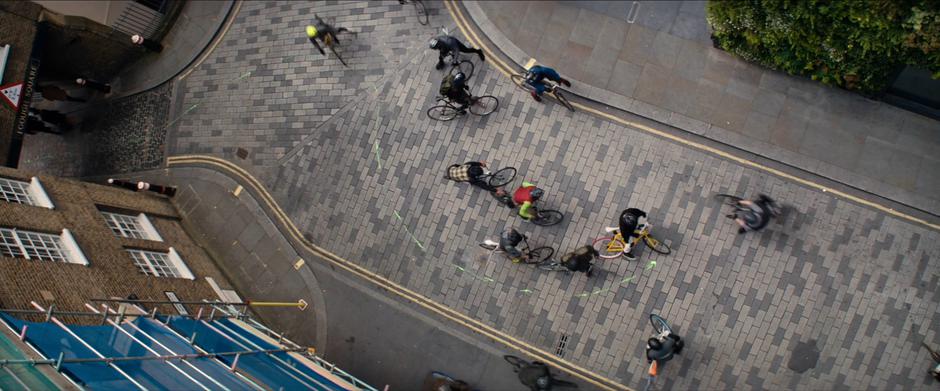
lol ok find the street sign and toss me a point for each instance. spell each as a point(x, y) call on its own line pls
point(11, 94)
point(4, 53)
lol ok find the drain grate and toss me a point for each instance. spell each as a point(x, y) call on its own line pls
point(241, 153)
point(562, 344)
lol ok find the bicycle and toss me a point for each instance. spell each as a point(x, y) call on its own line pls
point(775, 209)
point(519, 364)
point(419, 8)
point(542, 218)
point(522, 81)
point(610, 247)
point(479, 105)
point(531, 256)
point(494, 179)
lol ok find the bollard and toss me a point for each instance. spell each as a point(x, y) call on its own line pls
point(168, 191)
point(148, 44)
point(95, 85)
point(123, 184)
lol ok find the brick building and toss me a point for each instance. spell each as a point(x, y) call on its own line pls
point(64, 242)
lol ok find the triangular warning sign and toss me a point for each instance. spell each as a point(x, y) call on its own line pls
point(11, 94)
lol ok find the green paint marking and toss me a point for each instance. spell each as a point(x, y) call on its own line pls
point(397, 215)
point(650, 265)
point(413, 237)
point(525, 290)
point(581, 295)
point(627, 280)
point(244, 76)
point(378, 158)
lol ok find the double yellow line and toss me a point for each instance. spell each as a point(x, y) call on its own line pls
point(508, 70)
point(405, 293)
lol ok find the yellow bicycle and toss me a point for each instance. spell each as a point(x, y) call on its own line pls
point(610, 247)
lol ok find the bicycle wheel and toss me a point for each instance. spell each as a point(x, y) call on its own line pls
point(727, 199)
point(552, 266)
point(422, 12)
point(516, 362)
point(484, 105)
point(505, 199)
point(659, 324)
point(540, 254)
point(520, 82)
point(487, 246)
point(502, 177)
point(548, 217)
point(442, 113)
point(607, 248)
point(561, 98)
point(464, 66)
point(656, 245)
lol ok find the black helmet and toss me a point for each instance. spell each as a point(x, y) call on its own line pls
point(459, 78)
point(654, 344)
point(628, 219)
point(511, 235)
point(536, 193)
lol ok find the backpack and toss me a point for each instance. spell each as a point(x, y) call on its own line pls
point(447, 85)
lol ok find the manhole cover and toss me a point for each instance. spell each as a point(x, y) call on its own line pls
point(242, 153)
point(804, 356)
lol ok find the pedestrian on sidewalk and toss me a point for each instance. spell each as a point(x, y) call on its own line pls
point(325, 32)
point(148, 44)
point(52, 117)
point(448, 45)
point(538, 73)
point(52, 92)
point(93, 84)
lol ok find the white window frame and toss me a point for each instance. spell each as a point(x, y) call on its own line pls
point(172, 257)
point(147, 230)
point(65, 245)
point(39, 194)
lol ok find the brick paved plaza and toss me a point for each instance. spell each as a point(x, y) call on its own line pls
point(354, 160)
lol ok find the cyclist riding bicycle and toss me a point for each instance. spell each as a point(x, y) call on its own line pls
point(628, 222)
point(509, 242)
point(447, 45)
point(580, 260)
point(753, 215)
point(324, 32)
point(454, 87)
point(525, 198)
point(537, 73)
point(662, 349)
point(473, 172)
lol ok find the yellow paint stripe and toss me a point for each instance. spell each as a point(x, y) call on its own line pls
point(218, 39)
point(391, 286)
point(505, 69)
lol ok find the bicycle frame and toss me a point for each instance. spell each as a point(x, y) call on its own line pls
point(642, 231)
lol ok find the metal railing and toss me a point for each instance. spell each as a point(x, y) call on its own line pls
point(140, 19)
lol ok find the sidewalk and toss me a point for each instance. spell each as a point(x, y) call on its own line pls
point(663, 66)
point(127, 131)
point(403, 347)
point(193, 31)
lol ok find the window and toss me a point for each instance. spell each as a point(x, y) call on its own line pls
point(29, 193)
point(40, 246)
point(159, 264)
point(137, 227)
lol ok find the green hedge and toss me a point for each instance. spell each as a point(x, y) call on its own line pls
point(855, 44)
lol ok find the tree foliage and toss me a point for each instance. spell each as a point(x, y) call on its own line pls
point(855, 44)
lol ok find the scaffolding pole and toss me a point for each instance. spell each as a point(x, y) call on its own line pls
point(149, 349)
point(276, 358)
point(52, 312)
point(86, 345)
point(108, 310)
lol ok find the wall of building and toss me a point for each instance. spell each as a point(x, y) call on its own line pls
point(111, 271)
point(17, 29)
